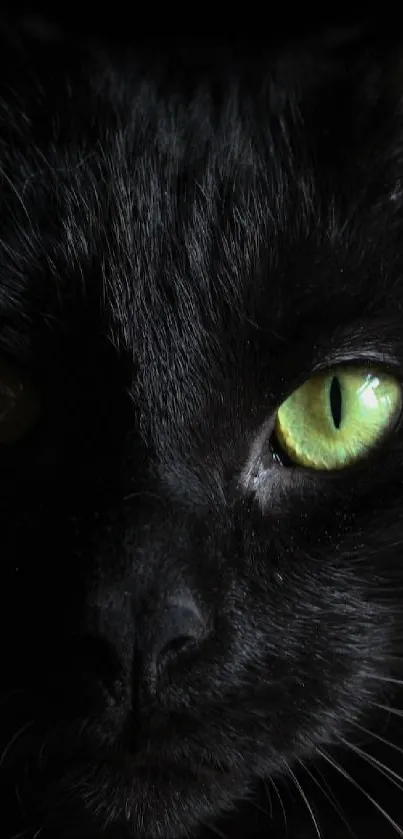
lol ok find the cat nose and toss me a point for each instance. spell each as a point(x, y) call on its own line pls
point(176, 627)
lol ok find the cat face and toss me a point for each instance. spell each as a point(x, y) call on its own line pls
point(187, 608)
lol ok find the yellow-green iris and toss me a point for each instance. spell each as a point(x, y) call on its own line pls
point(335, 417)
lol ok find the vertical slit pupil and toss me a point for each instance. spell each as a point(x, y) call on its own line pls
point(335, 401)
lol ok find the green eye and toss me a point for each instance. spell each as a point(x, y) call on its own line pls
point(334, 418)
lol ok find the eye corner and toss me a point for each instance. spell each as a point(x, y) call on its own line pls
point(277, 453)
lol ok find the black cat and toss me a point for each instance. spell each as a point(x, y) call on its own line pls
point(201, 344)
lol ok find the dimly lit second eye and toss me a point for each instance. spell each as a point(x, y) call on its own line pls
point(19, 405)
point(336, 417)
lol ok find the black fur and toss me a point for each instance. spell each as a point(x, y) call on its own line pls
point(184, 238)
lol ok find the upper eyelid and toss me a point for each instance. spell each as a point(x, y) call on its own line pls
point(388, 362)
point(368, 341)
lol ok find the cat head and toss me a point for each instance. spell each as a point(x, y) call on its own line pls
point(200, 581)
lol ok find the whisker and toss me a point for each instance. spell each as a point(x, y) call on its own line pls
point(276, 790)
point(377, 737)
point(27, 831)
point(267, 791)
point(12, 186)
point(361, 789)
point(328, 794)
point(19, 799)
point(392, 776)
point(396, 711)
point(14, 739)
point(213, 829)
point(41, 754)
point(259, 807)
point(305, 800)
point(391, 657)
point(388, 679)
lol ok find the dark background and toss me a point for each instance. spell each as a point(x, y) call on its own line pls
point(250, 22)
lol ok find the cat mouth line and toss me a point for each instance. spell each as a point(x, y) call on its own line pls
point(150, 767)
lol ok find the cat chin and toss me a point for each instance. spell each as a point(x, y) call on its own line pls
point(159, 792)
point(142, 800)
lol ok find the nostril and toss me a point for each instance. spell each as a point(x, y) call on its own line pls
point(173, 647)
point(177, 627)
